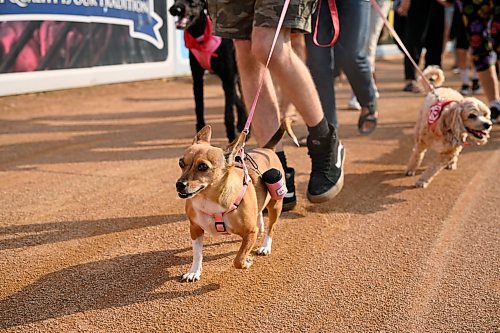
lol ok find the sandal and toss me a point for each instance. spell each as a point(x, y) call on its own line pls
point(364, 119)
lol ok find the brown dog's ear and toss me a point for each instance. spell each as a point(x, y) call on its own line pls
point(234, 148)
point(204, 135)
point(452, 125)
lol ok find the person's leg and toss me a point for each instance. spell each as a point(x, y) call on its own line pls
point(463, 66)
point(250, 69)
point(291, 74)
point(289, 71)
point(286, 106)
point(448, 19)
point(320, 62)
point(264, 124)
point(415, 27)
point(376, 25)
point(483, 54)
point(325, 149)
point(434, 40)
point(239, 27)
point(352, 58)
point(489, 81)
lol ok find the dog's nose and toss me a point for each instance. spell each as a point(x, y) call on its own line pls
point(181, 185)
point(176, 10)
point(486, 125)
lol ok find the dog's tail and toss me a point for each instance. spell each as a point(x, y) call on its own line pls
point(434, 75)
point(286, 126)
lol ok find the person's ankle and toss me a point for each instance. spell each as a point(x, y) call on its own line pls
point(320, 130)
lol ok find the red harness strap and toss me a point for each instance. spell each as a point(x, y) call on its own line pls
point(219, 217)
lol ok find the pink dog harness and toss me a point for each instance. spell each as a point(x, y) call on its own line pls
point(219, 217)
point(203, 47)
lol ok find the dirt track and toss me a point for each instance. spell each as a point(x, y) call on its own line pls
point(93, 237)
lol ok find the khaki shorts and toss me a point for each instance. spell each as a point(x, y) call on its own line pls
point(235, 18)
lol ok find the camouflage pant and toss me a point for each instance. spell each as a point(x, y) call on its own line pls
point(235, 18)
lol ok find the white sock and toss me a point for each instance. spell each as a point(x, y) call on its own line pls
point(464, 75)
point(474, 74)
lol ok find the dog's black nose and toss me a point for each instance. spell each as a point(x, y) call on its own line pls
point(177, 10)
point(486, 125)
point(181, 185)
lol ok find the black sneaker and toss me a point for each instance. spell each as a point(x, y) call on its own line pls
point(495, 114)
point(290, 199)
point(464, 90)
point(476, 87)
point(327, 171)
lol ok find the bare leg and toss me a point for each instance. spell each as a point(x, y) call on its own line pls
point(462, 56)
point(286, 106)
point(265, 122)
point(290, 73)
point(489, 81)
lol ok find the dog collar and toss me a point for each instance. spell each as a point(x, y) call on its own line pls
point(220, 226)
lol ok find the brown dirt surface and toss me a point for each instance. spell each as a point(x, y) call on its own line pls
point(93, 237)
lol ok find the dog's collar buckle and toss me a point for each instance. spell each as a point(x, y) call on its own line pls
point(220, 226)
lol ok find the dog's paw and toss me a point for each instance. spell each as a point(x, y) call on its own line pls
point(421, 184)
point(264, 251)
point(245, 264)
point(191, 277)
point(410, 173)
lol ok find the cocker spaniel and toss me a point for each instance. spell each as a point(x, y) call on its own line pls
point(446, 122)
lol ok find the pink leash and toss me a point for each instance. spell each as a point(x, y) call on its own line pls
point(218, 217)
point(261, 82)
point(398, 40)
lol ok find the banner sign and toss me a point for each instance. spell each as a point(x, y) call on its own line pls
point(138, 15)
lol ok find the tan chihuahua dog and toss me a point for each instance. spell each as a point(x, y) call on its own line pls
point(212, 183)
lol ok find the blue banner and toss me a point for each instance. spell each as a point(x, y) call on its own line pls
point(138, 15)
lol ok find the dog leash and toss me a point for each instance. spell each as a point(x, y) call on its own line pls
point(336, 26)
point(335, 21)
point(219, 217)
point(401, 44)
point(246, 129)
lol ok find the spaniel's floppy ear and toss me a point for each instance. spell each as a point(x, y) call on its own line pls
point(452, 125)
point(204, 135)
point(234, 148)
